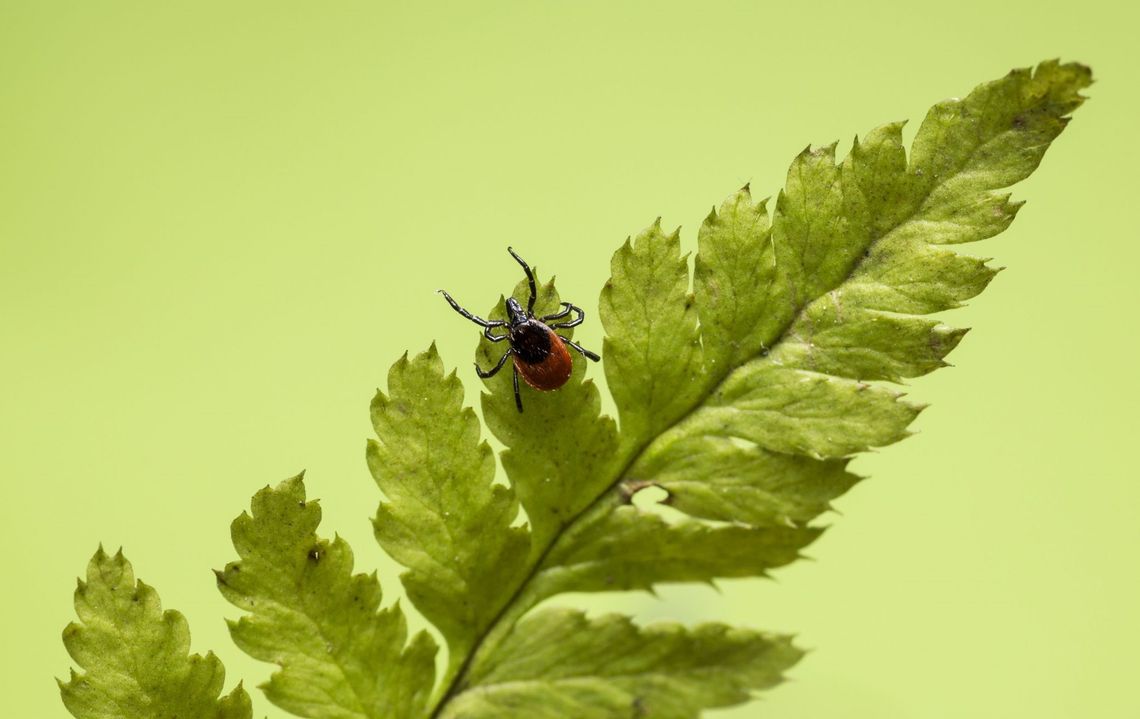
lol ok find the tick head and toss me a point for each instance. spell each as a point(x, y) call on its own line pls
point(515, 313)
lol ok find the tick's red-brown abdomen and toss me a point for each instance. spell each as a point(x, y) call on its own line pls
point(550, 372)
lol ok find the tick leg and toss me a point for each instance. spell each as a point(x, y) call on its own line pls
point(494, 370)
point(518, 397)
point(572, 323)
point(585, 352)
point(557, 315)
point(493, 338)
point(477, 320)
point(530, 281)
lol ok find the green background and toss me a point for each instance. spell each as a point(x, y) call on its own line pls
point(221, 222)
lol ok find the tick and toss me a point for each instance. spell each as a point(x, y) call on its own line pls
point(540, 353)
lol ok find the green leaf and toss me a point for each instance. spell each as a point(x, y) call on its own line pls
point(624, 547)
point(741, 401)
point(444, 519)
point(745, 400)
point(339, 656)
point(852, 257)
point(733, 280)
point(134, 655)
point(730, 480)
point(652, 348)
point(794, 411)
point(561, 452)
point(562, 664)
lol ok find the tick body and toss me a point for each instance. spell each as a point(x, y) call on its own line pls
point(540, 354)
